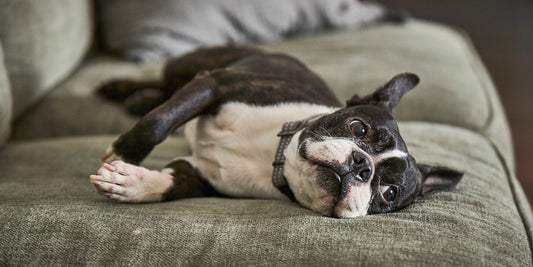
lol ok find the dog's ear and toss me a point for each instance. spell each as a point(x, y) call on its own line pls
point(389, 94)
point(436, 179)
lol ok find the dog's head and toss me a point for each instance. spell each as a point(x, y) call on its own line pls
point(354, 162)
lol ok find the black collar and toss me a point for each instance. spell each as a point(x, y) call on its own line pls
point(287, 132)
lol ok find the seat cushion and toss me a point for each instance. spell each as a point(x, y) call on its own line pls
point(52, 215)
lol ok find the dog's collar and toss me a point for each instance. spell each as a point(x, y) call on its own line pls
point(287, 132)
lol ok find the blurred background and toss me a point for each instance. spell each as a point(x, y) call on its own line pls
point(502, 32)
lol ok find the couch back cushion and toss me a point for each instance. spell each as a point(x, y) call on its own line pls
point(5, 101)
point(43, 42)
point(154, 30)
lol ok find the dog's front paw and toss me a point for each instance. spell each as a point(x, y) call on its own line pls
point(110, 155)
point(125, 182)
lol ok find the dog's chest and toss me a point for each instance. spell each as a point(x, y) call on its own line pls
point(234, 150)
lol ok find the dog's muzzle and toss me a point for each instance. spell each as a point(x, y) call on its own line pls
point(358, 166)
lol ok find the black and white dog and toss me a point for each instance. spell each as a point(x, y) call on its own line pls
point(263, 125)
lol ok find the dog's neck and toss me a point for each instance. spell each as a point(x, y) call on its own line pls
point(287, 132)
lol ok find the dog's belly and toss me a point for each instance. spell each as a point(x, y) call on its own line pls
point(234, 150)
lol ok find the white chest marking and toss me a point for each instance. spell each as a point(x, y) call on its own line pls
point(235, 149)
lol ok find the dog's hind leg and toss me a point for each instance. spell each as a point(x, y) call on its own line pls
point(179, 71)
point(140, 97)
point(121, 89)
point(187, 182)
point(125, 182)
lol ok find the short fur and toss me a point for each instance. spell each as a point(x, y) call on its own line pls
point(348, 162)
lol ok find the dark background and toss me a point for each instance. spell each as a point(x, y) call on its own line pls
point(502, 32)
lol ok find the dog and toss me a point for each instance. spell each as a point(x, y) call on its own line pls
point(262, 125)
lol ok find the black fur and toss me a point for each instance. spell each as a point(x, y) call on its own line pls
point(222, 74)
point(200, 82)
point(187, 182)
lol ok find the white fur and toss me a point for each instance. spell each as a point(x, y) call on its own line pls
point(129, 183)
point(389, 154)
point(331, 150)
point(355, 203)
point(234, 150)
point(302, 178)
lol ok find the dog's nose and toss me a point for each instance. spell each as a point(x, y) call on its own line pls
point(361, 166)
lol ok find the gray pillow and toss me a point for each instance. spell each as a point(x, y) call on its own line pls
point(5, 101)
point(154, 30)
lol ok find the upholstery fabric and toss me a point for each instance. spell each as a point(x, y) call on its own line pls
point(73, 108)
point(150, 31)
point(51, 215)
point(43, 42)
point(6, 101)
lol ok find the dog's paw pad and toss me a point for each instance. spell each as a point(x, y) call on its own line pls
point(125, 182)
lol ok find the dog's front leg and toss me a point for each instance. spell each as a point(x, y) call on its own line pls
point(188, 102)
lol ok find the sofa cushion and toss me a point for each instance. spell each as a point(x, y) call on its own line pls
point(448, 92)
point(43, 42)
point(73, 109)
point(5, 101)
point(455, 88)
point(52, 215)
point(150, 31)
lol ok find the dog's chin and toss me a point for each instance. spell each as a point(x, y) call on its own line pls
point(351, 204)
point(355, 203)
point(305, 181)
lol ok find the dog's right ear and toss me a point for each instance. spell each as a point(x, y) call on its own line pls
point(389, 95)
point(437, 179)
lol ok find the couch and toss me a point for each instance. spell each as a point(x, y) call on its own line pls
point(50, 214)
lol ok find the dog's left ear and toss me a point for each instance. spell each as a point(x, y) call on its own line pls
point(389, 95)
point(436, 179)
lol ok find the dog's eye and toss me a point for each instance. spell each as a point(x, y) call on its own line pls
point(358, 128)
point(388, 192)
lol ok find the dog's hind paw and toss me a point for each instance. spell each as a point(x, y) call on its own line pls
point(117, 90)
point(126, 182)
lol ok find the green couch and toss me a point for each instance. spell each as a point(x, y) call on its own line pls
point(51, 215)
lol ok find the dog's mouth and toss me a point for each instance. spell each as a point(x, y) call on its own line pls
point(348, 183)
point(342, 173)
point(335, 175)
